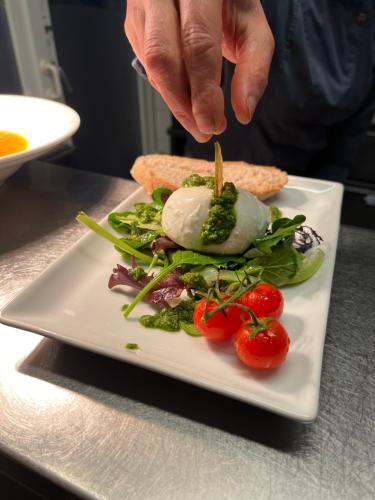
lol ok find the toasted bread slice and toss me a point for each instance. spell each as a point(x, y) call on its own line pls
point(153, 171)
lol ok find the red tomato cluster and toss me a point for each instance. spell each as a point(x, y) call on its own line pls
point(262, 348)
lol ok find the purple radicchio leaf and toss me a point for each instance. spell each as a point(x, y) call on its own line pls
point(122, 276)
point(168, 288)
point(164, 243)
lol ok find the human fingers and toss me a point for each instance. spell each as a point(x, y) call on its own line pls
point(250, 45)
point(152, 27)
point(201, 32)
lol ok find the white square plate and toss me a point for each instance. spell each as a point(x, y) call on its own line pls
point(70, 301)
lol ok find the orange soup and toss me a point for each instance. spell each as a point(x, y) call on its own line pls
point(11, 143)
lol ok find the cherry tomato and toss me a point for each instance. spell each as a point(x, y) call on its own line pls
point(264, 300)
point(266, 349)
point(222, 325)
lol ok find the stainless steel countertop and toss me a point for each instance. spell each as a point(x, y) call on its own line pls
point(104, 429)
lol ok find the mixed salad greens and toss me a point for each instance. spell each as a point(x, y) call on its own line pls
point(161, 270)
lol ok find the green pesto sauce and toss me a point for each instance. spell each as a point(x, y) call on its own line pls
point(146, 213)
point(170, 318)
point(221, 216)
point(194, 280)
point(138, 273)
point(131, 346)
point(195, 180)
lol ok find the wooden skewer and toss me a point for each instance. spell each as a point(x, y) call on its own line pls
point(218, 170)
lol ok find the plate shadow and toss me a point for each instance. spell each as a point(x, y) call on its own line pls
point(79, 370)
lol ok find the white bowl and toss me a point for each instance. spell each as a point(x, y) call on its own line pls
point(43, 123)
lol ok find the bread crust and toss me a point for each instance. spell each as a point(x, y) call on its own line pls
point(153, 171)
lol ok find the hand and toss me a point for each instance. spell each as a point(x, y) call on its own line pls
point(181, 43)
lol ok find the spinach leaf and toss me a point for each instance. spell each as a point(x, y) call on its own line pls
point(281, 228)
point(189, 257)
point(307, 266)
point(285, 222)
point(277, 268)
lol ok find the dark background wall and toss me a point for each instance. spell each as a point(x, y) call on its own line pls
point(9, 81)
point(95, 56)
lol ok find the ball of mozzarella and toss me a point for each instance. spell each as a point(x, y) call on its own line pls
point(187, 209)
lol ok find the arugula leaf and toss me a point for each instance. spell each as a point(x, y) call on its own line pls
point(277, 268)
point(281, 228)
point(121, 221)
point(141, 226)
point(140, 240)
point(152, 226)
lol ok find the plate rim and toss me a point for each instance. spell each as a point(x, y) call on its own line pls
point(28, 154)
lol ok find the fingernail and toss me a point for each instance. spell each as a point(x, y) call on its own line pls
point(251, 105)
point(198, 135)
point(222, 127)
point(205, 124)
point(201, 138)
